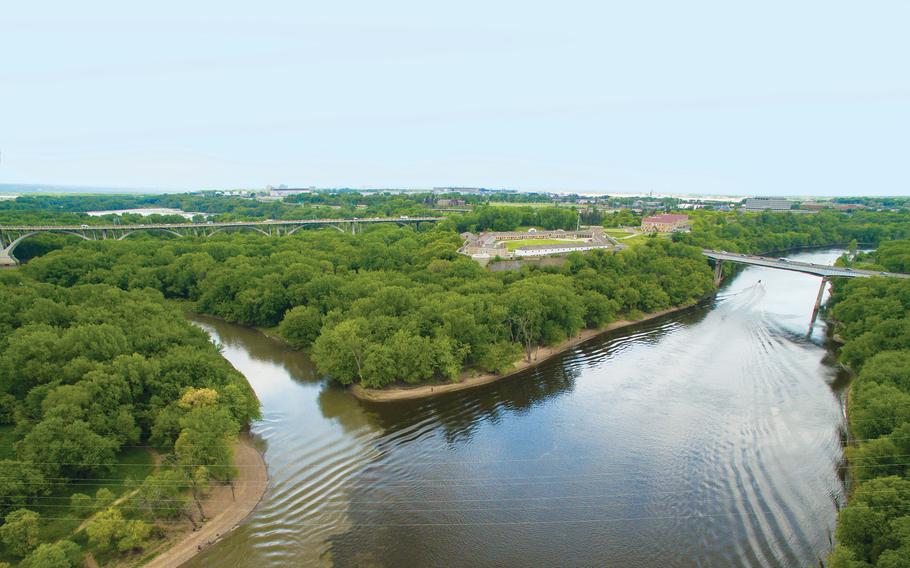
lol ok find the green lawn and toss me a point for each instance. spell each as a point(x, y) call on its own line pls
point(512, 245)
point(616, 233)
point(640, 238)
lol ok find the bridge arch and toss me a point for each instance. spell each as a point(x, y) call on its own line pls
point(131, 231)
point(12, 246)
point(298, 227)
point(250, 227)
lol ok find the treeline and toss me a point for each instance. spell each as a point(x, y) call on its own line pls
point(71, 209)
point(510, 218)
point(893, 256)
point(393, 303)
point(91, 377)
point(766, 231)
point(872, 317)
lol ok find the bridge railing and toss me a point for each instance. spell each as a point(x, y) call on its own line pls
point(218, 224)
point(825, 270)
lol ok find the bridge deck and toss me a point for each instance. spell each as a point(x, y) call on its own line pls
point(796, 266)
point(23, 228)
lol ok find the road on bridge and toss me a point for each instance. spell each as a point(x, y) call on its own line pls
point(270, 222)
point(11, 236)
point(823, 270)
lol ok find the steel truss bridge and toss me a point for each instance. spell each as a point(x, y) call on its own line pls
point(12, 236)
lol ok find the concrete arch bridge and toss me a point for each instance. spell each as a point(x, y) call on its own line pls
point(12, 236)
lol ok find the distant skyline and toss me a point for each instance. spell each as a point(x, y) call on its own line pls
point(704, 97)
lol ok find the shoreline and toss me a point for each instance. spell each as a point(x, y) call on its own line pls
point(251, 484)
point(468, 381)
point(541, 354)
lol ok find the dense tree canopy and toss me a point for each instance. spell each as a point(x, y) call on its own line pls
point(87, 372)
point(94, 359)
point(767, 231)
point(871, 316)
point(392, 304)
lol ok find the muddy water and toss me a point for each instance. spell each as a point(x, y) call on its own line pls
point(710, 437)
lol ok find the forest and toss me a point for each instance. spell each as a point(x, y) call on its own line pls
point(96, 385)
point(872, 317)
point(392, 304)
point(767, 232)
point(96, 353)
point(71, 209)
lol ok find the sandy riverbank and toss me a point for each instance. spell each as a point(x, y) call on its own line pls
point(467, 382)
point(224, 512)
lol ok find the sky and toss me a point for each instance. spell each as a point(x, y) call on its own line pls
point(705, 97)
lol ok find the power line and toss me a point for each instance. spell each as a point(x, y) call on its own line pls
point(504, 523)
point(497, 481)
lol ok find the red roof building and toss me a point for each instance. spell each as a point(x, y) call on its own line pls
point(664, 223)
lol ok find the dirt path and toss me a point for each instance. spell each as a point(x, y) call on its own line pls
point(224, 513)
point(156, 458)
point(467, 382)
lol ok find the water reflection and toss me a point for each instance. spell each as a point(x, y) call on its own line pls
point(709, 437)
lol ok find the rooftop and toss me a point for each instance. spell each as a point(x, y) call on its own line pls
point(772, 203)
point(665, 218)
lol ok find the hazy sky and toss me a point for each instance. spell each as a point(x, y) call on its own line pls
point(773, 97)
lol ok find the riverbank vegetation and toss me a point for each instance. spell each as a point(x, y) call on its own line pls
point(765, 232)
point(392, 304)
point(118, 415)
point(92, 351)
point(872, 316)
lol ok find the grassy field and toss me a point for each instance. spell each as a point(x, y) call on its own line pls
point(617, 233)
point(512, 245)
point(640, 238)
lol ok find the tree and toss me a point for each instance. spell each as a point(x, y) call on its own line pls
point(63, 448)
point(876, 410)
point(108, 530)
point(134, 536)
point(161, 495)
point(20, 531)
point(301, 326)
point(500, 356)
point(103, 498)
point(889, 368)
point(203, 449)
point(19, 485)
point(104, 528)
point(843, 557)
point(61, 554)
point(864, 526)
point(81, 504)
point(526, 314)
point(340, 351)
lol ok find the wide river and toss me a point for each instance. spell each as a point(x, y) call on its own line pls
point(707, 438)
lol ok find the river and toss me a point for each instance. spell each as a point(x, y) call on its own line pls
point(710, 437)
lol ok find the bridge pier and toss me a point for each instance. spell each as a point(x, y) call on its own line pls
point(818, 300)
point(718, 272)
point(6, 259)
